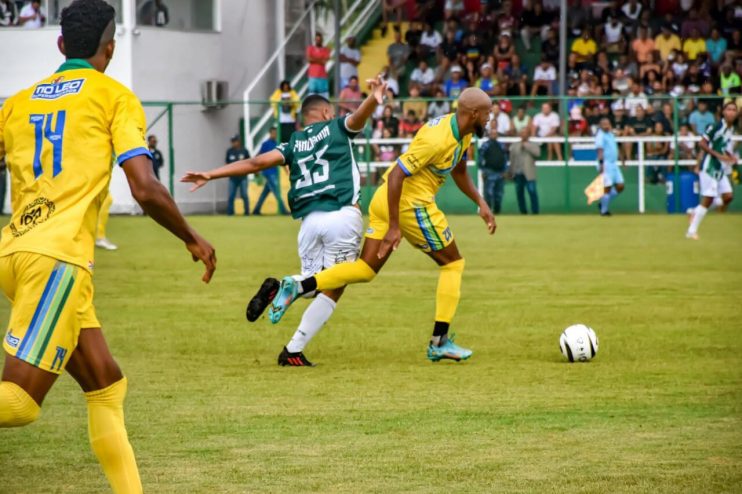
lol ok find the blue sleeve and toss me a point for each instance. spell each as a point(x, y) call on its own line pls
point(600, 140)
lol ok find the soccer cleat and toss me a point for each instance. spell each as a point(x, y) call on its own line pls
point(104, 243)
point(691, 236)
point(288, 359)
point(262, 299)
point(448, 350)
point(287, 293)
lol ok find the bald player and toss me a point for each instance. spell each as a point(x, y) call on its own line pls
point(404, 206)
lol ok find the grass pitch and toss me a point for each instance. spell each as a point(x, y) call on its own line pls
point(208, 411)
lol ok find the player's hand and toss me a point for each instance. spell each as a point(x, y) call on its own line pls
point(378, 88)
point(390, 242)
point(203, 251)
point(198, 178)
point(489, 219)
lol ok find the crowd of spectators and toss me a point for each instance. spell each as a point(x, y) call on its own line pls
point(28, 14)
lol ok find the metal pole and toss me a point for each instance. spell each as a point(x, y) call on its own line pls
point(642, 207)
point(563, 47)
point(337, 48)
point(280, 36)
point(676, 157)
point(171, 151)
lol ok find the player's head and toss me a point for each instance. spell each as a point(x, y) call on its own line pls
point(87, 32)
point(273, 133)
point(236, 141)
point(730, 111)
point(605, 124)
point(152, 140)
point(316, 108)
point(318, 39)
point(474, 111)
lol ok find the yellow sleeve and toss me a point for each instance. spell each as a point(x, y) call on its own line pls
point(128, 127)
point(421, 153)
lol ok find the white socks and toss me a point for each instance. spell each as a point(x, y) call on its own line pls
point(698, 216)
point(315, 316)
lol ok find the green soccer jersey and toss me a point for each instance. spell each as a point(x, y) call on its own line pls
point(324, 174)
point(719, 138)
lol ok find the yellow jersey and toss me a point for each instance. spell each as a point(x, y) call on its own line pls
point(58, 138)
point(436, 149)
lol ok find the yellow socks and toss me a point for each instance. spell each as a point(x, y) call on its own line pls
point(345, 273)
point(17, 408)
point(109, 440)
point(449, 291)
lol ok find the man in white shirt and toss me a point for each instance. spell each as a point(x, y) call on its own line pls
point(424, 76)
point(547, 124)
point(544, 76)
point(32, 16)
point(350, 57)
point(635, 99)
point(430, 40)
point(502, 122)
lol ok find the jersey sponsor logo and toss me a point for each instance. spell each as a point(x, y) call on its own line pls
point(308, 144)
point(33, 215)
point(57, 89)
point(370, 231)
point(423, 246)
point(12, 340)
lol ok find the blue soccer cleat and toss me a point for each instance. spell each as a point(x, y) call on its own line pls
point(287, 293)
point(449, 350)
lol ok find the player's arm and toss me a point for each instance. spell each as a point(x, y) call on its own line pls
point(704, 145)
point(236, 169)
point(357, 120)
point(600, 159)
point(393, 236)
point(464, 182)
point(160, 206)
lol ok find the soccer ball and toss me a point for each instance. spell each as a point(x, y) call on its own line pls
point(578, 343)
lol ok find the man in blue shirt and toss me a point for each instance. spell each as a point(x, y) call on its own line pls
point(237, 152)
point(701, 118)
point(271, 176)
point(605, 141)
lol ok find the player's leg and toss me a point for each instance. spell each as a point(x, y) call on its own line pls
point(232, 194)
point(101, 240)
point(709, 191)
point(605, 201)
point(243, 196)
point(263, 196)
point(726, 192)
point(100, 378)
point(22, 391)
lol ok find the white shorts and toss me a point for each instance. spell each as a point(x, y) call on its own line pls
point(711, 187)
point(329, 238)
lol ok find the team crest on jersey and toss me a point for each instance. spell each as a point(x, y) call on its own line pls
point(58, 88)
point(34, 214)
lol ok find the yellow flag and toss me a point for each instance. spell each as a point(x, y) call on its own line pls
point(595, 190)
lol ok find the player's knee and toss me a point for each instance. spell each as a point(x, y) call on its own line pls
point(17, 408)
point(366, 273)
point(456, 266)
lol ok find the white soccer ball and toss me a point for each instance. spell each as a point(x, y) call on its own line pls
point(578, 343)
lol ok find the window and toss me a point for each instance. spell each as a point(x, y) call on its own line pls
point(186, 15)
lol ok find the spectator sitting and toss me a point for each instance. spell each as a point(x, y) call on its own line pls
point(424, 76)
point(448, 51)
point(544, 76)
point(679, 65)
point(693, 79)
point(577, 123)
point(430, 40)
point(686, 147)
point(350, 97)
point(547, 124)
point(285, 105)
point(455, 84)
point(550, 47)
point(521, 120)
point(651, 65)
point(729, 81)
point(635, 99)
point(621, 82)
point(471, 48)
point(32, 16)
point(410, 124)
point(534, 21)
point(506, 21)
point(613, 38)
point(501, 121)
point(504, 52)
point(390, 122)
point(666, 42)
point(629, 65)
point(397, 53)
point(8, 17)
point(386, 152)
point(716, 46)
point(658, 150)
point(440, 106)
point(390, 8)
point(585, 47)
point(412, 37)
point(350, 58)
point(665, 117)
point(487, 82)
point(640, 125)
point(317, 57)
point(414, 103)
point(694, 45)
point(701, 118)
point(517, 77)
point(643, 46)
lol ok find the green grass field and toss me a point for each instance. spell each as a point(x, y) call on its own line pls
point(209, 411)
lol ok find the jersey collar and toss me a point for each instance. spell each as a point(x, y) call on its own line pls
point(75, 63)
point(455, 128)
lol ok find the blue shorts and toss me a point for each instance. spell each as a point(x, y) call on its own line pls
point(318, 86)
point(612, 175)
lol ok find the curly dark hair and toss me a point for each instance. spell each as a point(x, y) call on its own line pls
point(312, 101)
point(83, 24)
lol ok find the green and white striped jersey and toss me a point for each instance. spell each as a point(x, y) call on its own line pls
point(719, 138)
point(323, 171)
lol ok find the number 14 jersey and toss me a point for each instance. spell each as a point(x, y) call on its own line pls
point(322, 168)
point(58, 138)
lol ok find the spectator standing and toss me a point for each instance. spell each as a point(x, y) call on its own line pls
point(317, 56)
point(547, 124)
point(397, 53)
point(271, 176)
point(544, 77)
point(584, 47)
point(694, 45)
point(157, 159)
point(729, 81)
point(455, 84)
point(493, 164)
point(521, 120)
point(32, 16)
point(285, 106)
point(517, 74)
point(424, 76)
point(8, 17)
point(3, 184)
point(666, 42)
point(550, 47)
point(237, 152)
point(350, 58)
point(439, 107)
point(701, 118)
point(350, 97)
point(523, 155)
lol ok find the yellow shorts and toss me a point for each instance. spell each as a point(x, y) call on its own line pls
point(424, 226)
point(50, 301)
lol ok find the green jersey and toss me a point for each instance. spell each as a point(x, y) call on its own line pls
point(323, 171)
point(719, 138)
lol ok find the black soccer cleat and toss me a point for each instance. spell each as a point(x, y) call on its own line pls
point(288, 359)
point(262, 299)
